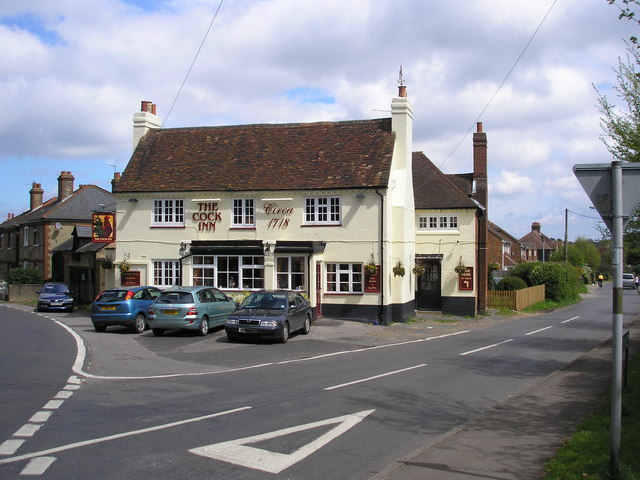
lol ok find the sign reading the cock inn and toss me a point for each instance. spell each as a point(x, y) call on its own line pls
point(208, 215)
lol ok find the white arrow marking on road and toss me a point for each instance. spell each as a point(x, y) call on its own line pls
point(238, 453)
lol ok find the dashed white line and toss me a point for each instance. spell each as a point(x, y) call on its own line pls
point(539, 330)
point(570, 319)
point(37, 466)
point(9, 447)
point(40, 417)
point(27, 430)
point(487, 347)
point(375, 377)
point(117, 436)
point(53, 404)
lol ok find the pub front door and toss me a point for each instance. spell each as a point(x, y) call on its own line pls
point(428, 292)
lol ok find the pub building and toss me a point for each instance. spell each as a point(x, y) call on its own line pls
point(325, 208)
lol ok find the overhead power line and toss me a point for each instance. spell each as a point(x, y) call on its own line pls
point(215, 15)
point(501, 83)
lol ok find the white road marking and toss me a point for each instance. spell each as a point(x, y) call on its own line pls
point(375, 377)
point(368, 349)
point(570, 319)
point(63, 394)
point(539, 330)
point(27, 430)
point(487, 347)
point(9, 447)
point(37, 466)
point(238, 453)
point(53, 404)
point(117, 436)
point(40, 417)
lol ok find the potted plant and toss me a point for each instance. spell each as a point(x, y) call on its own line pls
point(418, 269)
point(398, 269)
point(461, 267)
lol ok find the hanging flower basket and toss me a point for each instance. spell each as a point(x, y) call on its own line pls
point(124, 266)
point(370, 268)
point(461, 267)
point(418, 269)
point(107, 263)
point(398, 269)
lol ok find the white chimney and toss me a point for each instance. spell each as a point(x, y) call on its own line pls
point(143, 120)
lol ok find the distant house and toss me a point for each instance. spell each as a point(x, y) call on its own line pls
point(539, 245)
point(37, 238)
point(504, 249)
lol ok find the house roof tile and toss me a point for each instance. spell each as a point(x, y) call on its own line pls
point(324, 155)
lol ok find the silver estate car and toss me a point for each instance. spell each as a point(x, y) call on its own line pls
point(189, 308)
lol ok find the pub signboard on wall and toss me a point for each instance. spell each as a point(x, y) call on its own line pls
point(465, 279)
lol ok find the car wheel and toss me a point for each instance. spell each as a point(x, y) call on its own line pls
point(285, 333)
point(158, 332)
point(139, 324)
point(307, 326)
point(203, 328)
point(99, 328)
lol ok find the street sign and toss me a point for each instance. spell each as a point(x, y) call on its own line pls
point(595, 179)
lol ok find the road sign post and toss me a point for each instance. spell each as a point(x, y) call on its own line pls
point(605, 184)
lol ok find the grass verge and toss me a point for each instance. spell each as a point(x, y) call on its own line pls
point(586, 454)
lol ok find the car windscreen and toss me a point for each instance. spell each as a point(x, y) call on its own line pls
point(55, 289)
point(112, 296)
point(265, 300)
point(175, 297)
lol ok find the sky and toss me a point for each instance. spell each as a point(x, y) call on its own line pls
point(73, 72)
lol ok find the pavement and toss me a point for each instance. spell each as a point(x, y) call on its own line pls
point(512, 441)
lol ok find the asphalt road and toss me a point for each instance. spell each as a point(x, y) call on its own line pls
point(344, 402)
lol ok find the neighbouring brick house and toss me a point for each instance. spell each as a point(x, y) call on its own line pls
point(504, 249)
point(37, 238)
point(538, 244)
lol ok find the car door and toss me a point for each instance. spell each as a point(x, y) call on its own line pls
point(295, 312)
point(225, 305)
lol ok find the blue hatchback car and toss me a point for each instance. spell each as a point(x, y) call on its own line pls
point(123, 306)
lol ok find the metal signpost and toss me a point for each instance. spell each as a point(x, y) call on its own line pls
point(615, 193)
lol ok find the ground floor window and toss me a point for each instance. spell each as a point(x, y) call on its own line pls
point(229, 271)
point(344, 277)
point(291, 273)
point(166, 273)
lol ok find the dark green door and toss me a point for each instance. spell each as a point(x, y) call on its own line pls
point(428, 294)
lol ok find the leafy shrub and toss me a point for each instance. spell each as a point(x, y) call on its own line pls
point(24, 276)
point(524, 272)
point(511, 283)
point(561, 280)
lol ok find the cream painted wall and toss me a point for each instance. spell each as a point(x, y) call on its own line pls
point(353, 241)
point(453, 245)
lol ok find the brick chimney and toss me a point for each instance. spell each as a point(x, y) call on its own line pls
point(65, 185)
point(36, 193)
point(535, 227)
point(116, 179)
point(481, 196)
point(144, 120)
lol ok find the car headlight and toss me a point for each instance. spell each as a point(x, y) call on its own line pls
point(232, 321)
point(268, 323)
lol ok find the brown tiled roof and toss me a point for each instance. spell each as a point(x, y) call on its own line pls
point(324, 155)
point(434, 189)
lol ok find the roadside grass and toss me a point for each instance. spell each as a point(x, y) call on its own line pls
point(586, 454)
point(549, 305)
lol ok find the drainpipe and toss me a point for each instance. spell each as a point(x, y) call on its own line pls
point(381, 305)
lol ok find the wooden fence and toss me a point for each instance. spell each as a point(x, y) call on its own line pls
point(516, 299)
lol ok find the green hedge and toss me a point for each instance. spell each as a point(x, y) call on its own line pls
point(511, 283)
point(561, 280)
point(25, 276)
